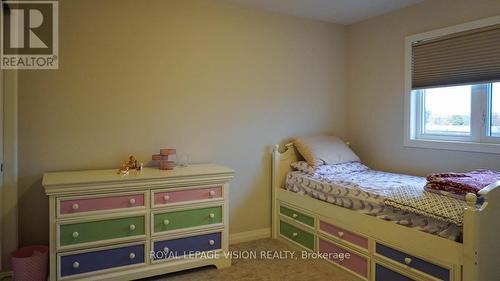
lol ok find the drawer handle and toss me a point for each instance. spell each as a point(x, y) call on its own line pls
point(212, 215)
point(75, 234)
point(166, 249)
point(408, 261)
point(295, 234)
point(132, 201)
point(76, 265)
point(132, 227)
point(211, 193)
point(295, 216)
point(211, 242)
point(166, 222)
point(341, 234)
point(75, 206)
point(166, 197)
point(131, 256)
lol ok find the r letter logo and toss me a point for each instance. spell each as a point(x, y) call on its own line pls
point(29, 35)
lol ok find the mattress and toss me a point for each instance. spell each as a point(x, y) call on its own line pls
point(367, 192)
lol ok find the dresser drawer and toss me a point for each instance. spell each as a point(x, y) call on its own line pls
point(345, 258)
point(297, 216)
point(297, 235)
point(81, 205)
point(92, 231)
point(168, 197)
point(344, 235)
point(100, 259)
point(165, 249)
point(416, 263)
point(174, 220)
point(383, 273)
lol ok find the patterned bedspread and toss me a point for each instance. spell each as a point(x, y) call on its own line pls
point(378, 194)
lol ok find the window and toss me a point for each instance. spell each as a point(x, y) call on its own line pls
point(446, 111)
point(452, 83)
point(467, 113)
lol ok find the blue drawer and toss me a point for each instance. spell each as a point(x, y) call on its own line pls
point(187, 245)
point(101, 259)
point(384, 274)
point(416, 263)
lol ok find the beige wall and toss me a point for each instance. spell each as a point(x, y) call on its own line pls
point(376, 90)
point(219, 82)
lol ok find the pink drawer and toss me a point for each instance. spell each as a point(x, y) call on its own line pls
point(347, 259)
point(344, 235)
point(195, 194)
point(81, 205)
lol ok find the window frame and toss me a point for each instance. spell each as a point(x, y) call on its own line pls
point(480, 121)
point(488, 115)
point(479, 139)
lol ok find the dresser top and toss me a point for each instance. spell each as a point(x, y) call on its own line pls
point(110, 176)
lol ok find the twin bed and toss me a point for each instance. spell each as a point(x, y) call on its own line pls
point(392, 229)
point(369, 192)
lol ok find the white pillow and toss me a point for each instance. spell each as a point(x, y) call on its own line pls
point(324, 150)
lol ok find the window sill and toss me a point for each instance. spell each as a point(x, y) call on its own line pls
point(493, 148)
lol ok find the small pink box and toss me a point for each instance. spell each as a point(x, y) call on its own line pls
point(167, 165)
point(157, 157)
point(167, 151)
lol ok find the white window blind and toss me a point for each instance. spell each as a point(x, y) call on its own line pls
point(461, 58)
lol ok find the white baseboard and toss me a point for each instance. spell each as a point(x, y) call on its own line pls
point(249, 235)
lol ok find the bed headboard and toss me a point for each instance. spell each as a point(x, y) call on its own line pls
point(281, 164)
point(280, 167)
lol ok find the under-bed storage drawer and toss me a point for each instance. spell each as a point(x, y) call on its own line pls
point(345, 258)
point(411, 261)
point(74, 263)
point(297, 235)
point(166, 249)
point(344, 235)
point(383, 273)
point(297, 216)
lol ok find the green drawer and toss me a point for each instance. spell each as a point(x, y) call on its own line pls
point(188, 218)
point(305, 219)
point(77, 233)
point(304, 238)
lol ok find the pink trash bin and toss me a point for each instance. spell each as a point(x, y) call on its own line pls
point(30, 263)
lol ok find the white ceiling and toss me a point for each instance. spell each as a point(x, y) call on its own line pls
point(337, 11)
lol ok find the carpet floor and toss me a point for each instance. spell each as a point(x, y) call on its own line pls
point(290, 269)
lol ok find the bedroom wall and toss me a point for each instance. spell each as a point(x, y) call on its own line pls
point(376, 89)
point(219, 82)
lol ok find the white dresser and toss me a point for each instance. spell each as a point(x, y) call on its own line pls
point(105, 226)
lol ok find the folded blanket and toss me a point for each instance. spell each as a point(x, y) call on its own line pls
point(462, 183)
point(446, 193)
point(412, 198)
